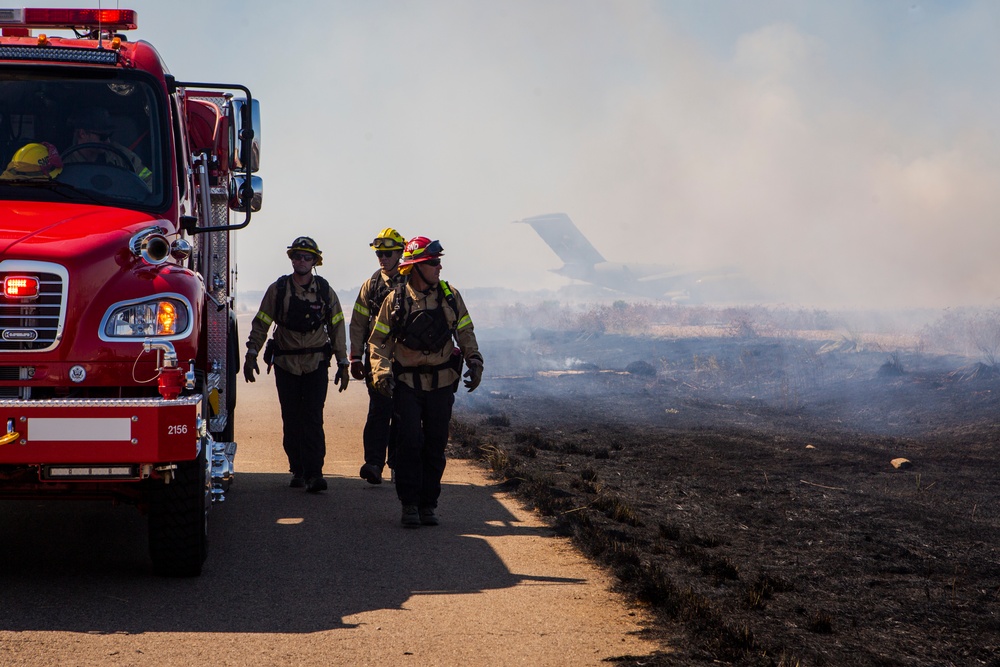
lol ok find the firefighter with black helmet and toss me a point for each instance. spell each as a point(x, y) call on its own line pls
point(380, 432)
point(415, 360)
point(309, 331)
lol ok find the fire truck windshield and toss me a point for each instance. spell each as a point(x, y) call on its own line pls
point(98, 138)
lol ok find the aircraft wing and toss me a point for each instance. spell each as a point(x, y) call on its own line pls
point(559, 232)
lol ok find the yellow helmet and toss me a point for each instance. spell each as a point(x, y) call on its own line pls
point(388, 239)
point(35, 160)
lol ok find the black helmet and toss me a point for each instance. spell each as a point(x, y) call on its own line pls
point(306, 244)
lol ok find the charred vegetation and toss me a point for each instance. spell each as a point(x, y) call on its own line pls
point(745, 490)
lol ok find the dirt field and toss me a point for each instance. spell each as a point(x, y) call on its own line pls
point(747, 487)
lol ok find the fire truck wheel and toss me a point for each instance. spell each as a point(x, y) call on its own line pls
point(178, 520)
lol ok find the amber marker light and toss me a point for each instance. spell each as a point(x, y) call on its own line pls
point(166, 318)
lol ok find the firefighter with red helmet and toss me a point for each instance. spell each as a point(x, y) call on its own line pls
point(380, 432)
point(415, 360)
point(308, 331)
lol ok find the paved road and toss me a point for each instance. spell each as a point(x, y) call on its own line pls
point(303, 579)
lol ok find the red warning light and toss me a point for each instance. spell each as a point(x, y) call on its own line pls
point(20, 287)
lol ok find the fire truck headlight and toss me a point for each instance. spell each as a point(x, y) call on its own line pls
point(159, 317)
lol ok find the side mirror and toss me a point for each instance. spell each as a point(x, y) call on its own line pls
point(244, 118)
point(239, 197)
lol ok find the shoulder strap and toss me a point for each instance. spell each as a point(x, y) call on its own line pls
point(281, 285)
point(444, 289)
point(323, 294)
point(400, 305)
point(379, 290)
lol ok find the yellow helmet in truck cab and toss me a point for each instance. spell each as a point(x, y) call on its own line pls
point(35, 160)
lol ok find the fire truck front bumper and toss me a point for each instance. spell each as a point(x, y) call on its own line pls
point(100, 437)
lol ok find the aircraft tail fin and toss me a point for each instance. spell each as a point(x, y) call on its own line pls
point(559, 232)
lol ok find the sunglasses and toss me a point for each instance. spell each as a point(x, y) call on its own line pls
point(303, 256)
point(432, 262)
point(385, 253)
point(386, 243)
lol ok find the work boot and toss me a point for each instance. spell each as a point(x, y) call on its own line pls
point(315, 485)
point(371, 474)
point(297, 482)
point(411, 516)
point(427, 516)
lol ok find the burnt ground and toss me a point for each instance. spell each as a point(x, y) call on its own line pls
point(743, 488)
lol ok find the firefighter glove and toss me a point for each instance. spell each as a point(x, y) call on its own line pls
point(357, 370)
point(384, 385)
point(343, 376)
point(475, 374)
point(250, 368)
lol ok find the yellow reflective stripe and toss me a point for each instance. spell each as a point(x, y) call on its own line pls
point(464, 322)
point(265, 318)
point(339, 317)
point(145, 174)
point(382, 328)
point(361, 310)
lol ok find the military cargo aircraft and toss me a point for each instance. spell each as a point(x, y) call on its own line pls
point(583, 262)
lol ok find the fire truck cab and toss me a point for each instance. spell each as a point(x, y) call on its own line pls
point(119, 203)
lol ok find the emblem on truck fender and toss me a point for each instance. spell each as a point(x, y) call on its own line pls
point(77, 374)
point(19, 334)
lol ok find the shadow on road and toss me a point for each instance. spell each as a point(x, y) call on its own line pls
point(280, 560)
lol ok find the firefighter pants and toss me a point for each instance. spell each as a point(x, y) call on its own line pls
point(380, 431)
point(302, 398)
point(422, 422)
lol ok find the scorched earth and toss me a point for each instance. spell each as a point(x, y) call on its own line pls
point(778, 491)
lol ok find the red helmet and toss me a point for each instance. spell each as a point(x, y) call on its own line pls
point(420, 249)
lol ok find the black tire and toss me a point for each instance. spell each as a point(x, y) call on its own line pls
point(178, 521)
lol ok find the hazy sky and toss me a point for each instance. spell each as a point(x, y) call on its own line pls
point(846, 151)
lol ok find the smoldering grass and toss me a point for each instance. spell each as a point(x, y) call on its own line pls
point(893, 367)
point(821, 623)
point(669, 532)
point(720, 569)
point(763, 588)
point(464, 435)
point(502, 420)
point(533, 439)
point(616, 509)
point(527, 450)
point(496, 457)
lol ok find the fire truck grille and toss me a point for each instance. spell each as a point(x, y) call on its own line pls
point(32, 324)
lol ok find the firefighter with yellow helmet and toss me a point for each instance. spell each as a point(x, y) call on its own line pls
point(380, 433)
point(309, 331)
point(415, 360)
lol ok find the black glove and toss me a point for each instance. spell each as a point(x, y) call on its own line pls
point(250, 368)
point(357, 370)
point(343, 375)
point(384, 385)
point(475, 374)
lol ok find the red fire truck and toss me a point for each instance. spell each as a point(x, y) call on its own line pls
point(118, 339)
